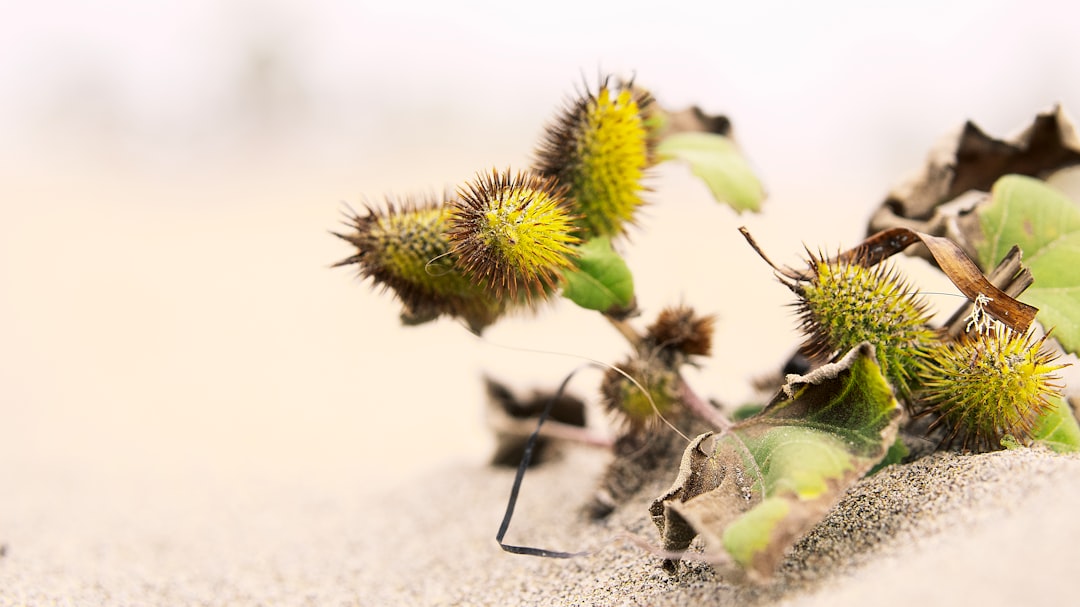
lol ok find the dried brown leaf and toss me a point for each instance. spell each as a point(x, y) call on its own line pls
point(939, 198)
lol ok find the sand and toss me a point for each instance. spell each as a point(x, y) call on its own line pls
point(994, 529)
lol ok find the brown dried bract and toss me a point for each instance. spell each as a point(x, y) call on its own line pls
point(680, 328)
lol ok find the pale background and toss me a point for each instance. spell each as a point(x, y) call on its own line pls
point(169, 172)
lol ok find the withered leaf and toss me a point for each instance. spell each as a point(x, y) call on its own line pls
point(693, 120)
point(955, 263)
point(753, 490)
point(513, 419)
point(972, 160)
point(964, 165)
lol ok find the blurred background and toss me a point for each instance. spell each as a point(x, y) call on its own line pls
point(170, 172)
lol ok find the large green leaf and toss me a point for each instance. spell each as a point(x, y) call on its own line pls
point(600, 279)
point(720, 164)
point(1046, 225)
point(763, 484)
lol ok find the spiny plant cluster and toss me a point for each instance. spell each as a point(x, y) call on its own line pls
point(504, 241)
point(646, 386)
point(755, 479)
point(988, 384)
point(507, 241)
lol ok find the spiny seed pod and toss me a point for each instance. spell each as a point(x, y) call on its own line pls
point(512, 234)
point(680, 329)
point(988, 386)
point(629, 403)
point(845, 303)
point(404, 248)
point(599, 148)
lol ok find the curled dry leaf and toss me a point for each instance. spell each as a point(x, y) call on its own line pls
point(963, 166)
point(755, 489)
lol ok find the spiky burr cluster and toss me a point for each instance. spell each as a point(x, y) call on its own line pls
point(498, 245)
point(989, 383)
point(505, 241)
point(404, 248)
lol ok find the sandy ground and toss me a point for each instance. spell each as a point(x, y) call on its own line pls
point(997, 529)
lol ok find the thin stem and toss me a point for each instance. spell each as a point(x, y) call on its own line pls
point(701, 408)
point(626, 329)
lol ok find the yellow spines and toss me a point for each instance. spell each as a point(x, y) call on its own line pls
point(599, 149)
point(988, 385)
point(512, 233)
point(404, 248)
point(846, 303)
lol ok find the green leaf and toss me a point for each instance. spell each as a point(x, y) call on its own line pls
point(896, 454)
point(746, 411)
point(1046, 225)
point(760, 486)
point(600, 278)
point(1057, 428)
point(749, 534)
point(718, 162)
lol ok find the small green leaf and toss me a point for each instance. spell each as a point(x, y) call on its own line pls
point(1057, 427)
point(717, 161)
point(1046, 225)
point(759, 487)
point(897, 452)
point(600, 278)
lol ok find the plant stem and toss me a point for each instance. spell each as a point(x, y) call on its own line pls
point(702, 408)
point(693, 402)
point(626, 329)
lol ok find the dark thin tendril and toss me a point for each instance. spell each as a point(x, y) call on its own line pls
point(520, 476)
